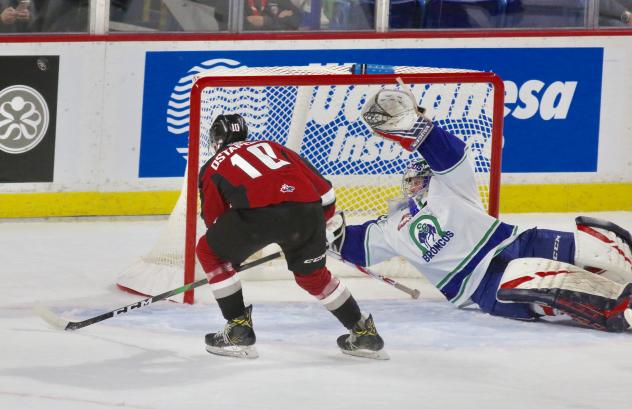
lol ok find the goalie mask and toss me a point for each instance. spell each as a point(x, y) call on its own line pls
point(227, 129)
point(416, 179)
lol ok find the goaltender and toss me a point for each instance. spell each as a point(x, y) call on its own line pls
point(442, 229)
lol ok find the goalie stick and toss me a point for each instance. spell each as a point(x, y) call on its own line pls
point(61, 323)
point(414, 293)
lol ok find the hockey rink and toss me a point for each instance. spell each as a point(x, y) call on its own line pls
point(154, 358)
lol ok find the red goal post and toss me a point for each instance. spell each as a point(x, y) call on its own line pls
point(315, 111)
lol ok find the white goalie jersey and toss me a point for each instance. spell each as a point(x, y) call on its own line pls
point(447, 236)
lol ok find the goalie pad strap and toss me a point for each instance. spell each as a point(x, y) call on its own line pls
point(587, 298)
point(604, 248)
point(602, 237)
point(607, 225)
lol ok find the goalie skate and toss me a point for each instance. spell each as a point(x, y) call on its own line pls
point(363, 341)
point(237, 339)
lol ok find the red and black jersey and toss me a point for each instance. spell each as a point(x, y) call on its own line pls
point(255, 174)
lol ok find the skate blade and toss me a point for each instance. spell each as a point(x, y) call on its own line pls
point(245, 352)
point(367, 353)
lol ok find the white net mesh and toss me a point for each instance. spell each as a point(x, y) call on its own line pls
point(323, 124)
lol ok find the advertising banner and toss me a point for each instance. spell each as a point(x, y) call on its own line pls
point(28, 111)
point(552, 101)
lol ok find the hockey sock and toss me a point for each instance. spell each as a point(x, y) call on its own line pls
point(232, 306)
point(348, 313)
point(332, 294)
point(224, 281)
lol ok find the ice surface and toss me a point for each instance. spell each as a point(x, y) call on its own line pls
point(441, 357)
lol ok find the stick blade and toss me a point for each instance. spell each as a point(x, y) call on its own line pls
point(51, 318)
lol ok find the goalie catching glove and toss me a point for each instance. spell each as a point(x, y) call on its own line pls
point(394, 115)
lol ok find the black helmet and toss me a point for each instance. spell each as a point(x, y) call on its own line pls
point(227, 129)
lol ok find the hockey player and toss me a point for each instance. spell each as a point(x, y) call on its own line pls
point(442, 229)
point(255, 193)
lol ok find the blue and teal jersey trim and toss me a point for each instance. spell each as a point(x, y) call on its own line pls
point(442, 150)
point(355, 247)
point(453, 285)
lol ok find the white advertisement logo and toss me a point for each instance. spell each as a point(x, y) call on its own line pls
point(551, 101)
point(24, 119)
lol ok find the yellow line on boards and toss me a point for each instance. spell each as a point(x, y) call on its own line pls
point(566, 198)
point(17, 205)
point(513, 199)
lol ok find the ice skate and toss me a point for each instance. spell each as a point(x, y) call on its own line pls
point(237, 339)
point(363, 341)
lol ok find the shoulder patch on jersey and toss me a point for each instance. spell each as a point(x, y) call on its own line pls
point(287, 188)
point(427, 234)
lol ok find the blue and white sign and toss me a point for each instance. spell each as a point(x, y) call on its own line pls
point(552, 101)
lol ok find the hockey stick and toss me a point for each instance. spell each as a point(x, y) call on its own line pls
point(414, 293)
point(60, 323)
point(336, 233)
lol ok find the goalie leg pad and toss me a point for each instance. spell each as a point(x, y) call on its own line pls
point(588, 298)
point(604, 248)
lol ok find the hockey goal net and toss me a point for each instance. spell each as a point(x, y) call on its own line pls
point(315, 110)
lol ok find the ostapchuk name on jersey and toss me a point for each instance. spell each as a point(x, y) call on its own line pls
point(428, 235)
point(227, 152)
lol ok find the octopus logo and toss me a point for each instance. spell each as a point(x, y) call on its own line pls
point(24, 119)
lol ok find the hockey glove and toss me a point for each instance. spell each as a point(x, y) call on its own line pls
point(336, 233)
point(394, 115)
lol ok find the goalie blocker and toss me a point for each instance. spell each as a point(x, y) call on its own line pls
point(586, 297)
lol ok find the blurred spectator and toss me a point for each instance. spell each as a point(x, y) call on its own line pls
point(312, 19)
point(56, 16)
point(615, 13)
point(271, 15)
point(166, 15)
point(553, 14)
point(471, 13)
point(265, 15)
point(15, 15)
point(402, 14)
point(118, 9)
point(406, 13)
point(350, 14)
